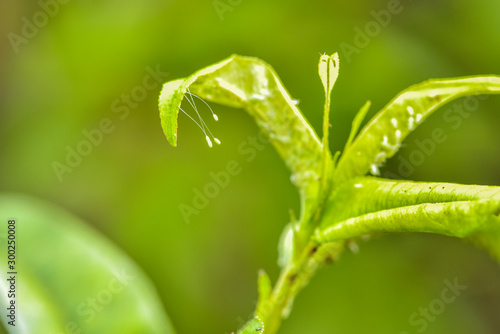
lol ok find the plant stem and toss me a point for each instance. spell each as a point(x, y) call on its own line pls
point(292, 279)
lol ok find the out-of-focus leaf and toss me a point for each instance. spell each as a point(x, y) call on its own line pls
point(471, 212)
point(250, 83)
point(265, 290)
point(286, 245)
point(70, 278)
point(380, 139)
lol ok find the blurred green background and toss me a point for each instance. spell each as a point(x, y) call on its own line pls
point(65, 79)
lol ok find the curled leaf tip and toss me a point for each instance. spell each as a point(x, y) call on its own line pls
point(172, 95)
point(169, 104)
point(251, 84)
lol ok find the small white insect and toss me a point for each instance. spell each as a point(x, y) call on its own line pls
point(391, 148)
point(411, 123)
point(374, 170)
point(257, 97)
point(394, 122)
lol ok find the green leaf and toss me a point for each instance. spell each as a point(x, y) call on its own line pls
point(470, 212)
point(251, 84)
point(254, 326)
point(265, 289)
point(356, 123)
point(171, 97)
point(71, 279)
point(380, 139)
